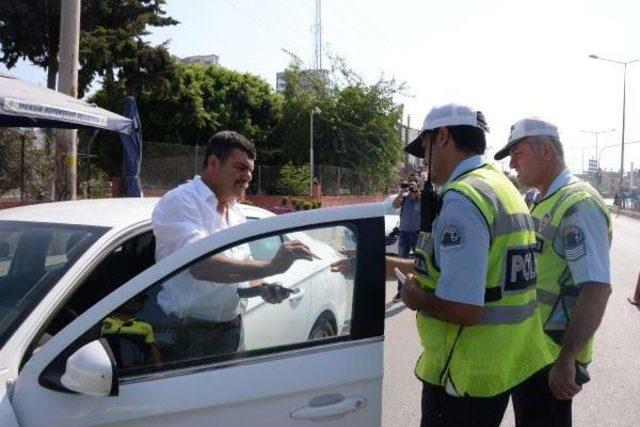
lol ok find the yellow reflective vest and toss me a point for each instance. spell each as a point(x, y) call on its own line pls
point(508, 344)
point(557, 293)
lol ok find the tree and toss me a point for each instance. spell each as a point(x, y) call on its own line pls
point(358, 126)
point(293, 180)
point(197, 102)
point(111, 32)
point(36, 170)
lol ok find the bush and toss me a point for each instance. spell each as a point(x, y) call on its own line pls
point(247, 202)
point(284, 201)
point(293, 179)
point(306, 206)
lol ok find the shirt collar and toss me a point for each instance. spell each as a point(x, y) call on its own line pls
point(563, 179)
point(205, 193)
point(466, 165)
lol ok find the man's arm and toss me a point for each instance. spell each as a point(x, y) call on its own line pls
point(461, 242)
point(584, 240)
point(223, 269)
point(453, 312)
point(397, 202)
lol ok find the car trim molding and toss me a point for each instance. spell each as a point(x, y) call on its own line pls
point(247, 361)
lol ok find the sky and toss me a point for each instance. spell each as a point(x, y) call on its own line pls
point(508, 58)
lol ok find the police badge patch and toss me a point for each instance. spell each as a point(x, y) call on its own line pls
point(573, 242)
point(451, 237)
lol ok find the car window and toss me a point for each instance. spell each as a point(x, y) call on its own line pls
point(201, 312)
point(33, 256)
point(265, 249)
point(388, 206)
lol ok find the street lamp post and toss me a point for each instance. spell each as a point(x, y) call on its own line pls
point(313, 111)
point(624, 95)
point(596, 133)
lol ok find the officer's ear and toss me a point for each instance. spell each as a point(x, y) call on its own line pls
point(444, 137)
point(547, 151)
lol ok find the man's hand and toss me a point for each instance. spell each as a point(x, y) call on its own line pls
point(412, 295)
point(562, 379)
point(274, 293)
point(345, 266)
point(288, 253)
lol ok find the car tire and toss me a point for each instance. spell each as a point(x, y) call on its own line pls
point(323, 328)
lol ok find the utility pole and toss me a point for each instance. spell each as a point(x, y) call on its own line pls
point(66, 140)
point(318, 36)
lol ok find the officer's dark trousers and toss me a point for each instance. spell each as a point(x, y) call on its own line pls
point(535, 406)
point(441, 410)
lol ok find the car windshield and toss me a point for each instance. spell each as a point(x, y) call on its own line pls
point(33, 257)
point(388, 206)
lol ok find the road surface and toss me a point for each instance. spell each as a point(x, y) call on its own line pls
point(612, 398)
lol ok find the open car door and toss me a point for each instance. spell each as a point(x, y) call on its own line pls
point(142, 371)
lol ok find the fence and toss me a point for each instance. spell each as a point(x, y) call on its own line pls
point(26, 172)
point(164, 166)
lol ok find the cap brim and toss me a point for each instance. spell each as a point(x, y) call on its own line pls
point(504, 151)
point(415, 148)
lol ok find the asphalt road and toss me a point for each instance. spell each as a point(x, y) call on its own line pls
point(612, 398)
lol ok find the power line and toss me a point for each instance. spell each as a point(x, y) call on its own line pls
point(368, 22)
point(265, 26)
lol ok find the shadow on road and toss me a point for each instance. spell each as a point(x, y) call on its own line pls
point(389, 312)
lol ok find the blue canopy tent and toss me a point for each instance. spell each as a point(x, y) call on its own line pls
point(132, 143)
point(24, 104)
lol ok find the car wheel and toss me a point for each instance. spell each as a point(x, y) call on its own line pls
point(323, 328)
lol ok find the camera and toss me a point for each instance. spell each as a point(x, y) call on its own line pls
point(404, 185)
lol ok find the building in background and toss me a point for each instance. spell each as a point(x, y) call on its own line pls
point(311, 74)
point(201, 59)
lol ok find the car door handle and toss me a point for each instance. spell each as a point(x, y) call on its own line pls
point(297, 296)
point(316, 411)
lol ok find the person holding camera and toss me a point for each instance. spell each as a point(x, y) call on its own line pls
point(408, 201)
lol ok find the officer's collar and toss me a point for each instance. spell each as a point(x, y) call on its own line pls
point(466, 165)
point(563, 179)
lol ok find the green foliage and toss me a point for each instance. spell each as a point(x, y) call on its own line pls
point(110, 39)
point(37, 168)
point(306, 206)
point(200, 101)
point(357, 127)
point(293, 180)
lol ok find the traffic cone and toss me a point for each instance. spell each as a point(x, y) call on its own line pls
point(636, 297)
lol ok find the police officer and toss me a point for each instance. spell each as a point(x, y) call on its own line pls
point(474, 284)
point(573, 231)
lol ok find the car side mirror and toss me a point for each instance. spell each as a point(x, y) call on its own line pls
point(91, 370)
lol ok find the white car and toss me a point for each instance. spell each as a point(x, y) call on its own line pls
point(391, 224)
point(67, 267)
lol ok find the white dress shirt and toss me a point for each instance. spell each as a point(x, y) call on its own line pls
point(184, 215)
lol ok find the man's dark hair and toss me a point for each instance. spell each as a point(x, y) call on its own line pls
point(224, 142)
point(470, 138)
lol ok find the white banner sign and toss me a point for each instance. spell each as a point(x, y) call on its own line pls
point(15, 106)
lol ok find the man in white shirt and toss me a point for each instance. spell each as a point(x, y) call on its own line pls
point(204, 299)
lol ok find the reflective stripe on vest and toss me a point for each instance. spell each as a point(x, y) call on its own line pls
point(504, 314)
point(504, 223)
point(508, 345)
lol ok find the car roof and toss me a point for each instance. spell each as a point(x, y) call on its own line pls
point(113, 212)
